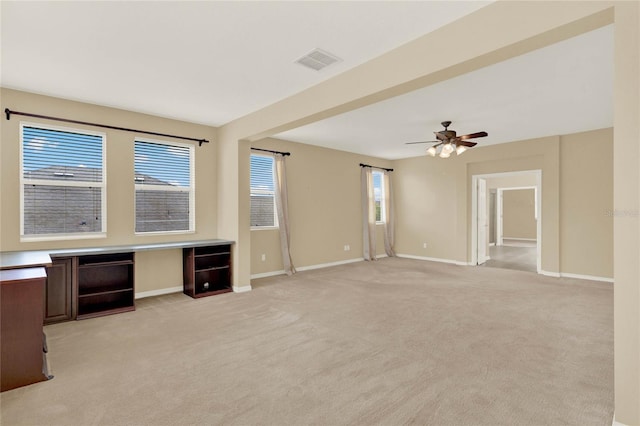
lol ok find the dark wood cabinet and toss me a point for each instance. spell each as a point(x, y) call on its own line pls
point(22, 360)
point(207, 270)
point(58, 291)
point(105, 284)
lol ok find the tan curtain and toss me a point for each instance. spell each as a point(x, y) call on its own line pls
point(368, 214)
point(389, 214)
point(283, 212)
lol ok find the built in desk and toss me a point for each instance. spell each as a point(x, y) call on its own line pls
point(45, 286)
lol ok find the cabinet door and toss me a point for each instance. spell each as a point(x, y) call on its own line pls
point(57, 297)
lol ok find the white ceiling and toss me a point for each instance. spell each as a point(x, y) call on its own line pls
point(561, 89)
point(205, 62)
point(212, 62)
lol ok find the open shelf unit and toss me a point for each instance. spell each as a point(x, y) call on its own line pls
point(105, 284)
point(207, 270)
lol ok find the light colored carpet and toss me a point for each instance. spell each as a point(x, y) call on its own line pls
point(396, 341)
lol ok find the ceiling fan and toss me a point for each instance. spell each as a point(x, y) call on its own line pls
point(448, 142)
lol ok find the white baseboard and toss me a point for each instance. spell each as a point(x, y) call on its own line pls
point(267, 274)
point(587, 277)
point(327, 265)
point(615, 423)
point(519, 239)
point(159, 292)
point(577, 276)
point(434, 259)
point(241, 289)
point(309, 268)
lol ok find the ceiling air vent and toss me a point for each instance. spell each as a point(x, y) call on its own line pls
point(318, 59)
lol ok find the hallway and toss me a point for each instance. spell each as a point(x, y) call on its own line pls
point(513, 254)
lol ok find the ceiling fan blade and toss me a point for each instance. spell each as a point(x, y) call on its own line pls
point(467, 144)
point(474, 135)
point(411, 143)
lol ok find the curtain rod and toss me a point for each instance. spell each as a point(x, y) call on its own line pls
point(374, 167)
point(273, 152)
point(8, 112)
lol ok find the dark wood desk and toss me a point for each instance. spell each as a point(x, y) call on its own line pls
point(22, 358)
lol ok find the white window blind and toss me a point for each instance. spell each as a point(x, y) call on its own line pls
point(263, 206)
point(378, 193)
point(62, 183)
point(164, 187)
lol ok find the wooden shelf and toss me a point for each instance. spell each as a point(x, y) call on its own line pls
point(207, 270)
point(105, 284)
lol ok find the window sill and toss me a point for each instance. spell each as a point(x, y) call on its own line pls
point(154, 233)
point(61, 237)
point(264, 228)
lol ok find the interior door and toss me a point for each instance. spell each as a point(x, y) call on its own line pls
point(483, 224)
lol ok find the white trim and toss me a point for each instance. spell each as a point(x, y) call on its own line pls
point(45, 182)
point(265, 228)
point(474, 213)
point(550, 274)
point(61, 237)
point(519, 239)
point(327, 265)
point(586, 277)
point(191, 189)
point(241, 289)
point(159, 292)
point(615, 423)
point(312, 267)
point(267, 274)
point(435, 259)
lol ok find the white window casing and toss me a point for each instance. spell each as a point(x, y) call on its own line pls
point(62, 183)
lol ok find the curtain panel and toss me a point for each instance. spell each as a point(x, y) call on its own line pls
point(368, 214)
point(282, 209)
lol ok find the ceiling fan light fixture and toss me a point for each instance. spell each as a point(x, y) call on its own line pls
point(448, 148)
point(444, 154)
point(460, 149)
point(432, 151)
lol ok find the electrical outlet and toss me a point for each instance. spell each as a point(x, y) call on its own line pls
point(264, 257)
point(424, 245)
point(347, 247)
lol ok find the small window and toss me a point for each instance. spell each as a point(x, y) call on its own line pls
point(378, 194)
point(62, 183)
point(263, 205)
point(164, 187)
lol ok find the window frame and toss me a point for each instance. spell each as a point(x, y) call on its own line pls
point(383, 218)
point(191, 190)
point(78, 184)
point(276, 224)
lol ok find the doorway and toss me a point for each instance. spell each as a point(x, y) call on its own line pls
point(506, 222)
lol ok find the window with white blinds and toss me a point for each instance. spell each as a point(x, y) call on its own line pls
point(378, 194)
point(62, 183)
point(263, 206)
point(164, 187)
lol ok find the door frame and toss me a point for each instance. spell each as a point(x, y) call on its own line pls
point(474, 211)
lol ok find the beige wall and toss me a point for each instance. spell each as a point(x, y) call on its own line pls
point(324, 208)
point(434, 200)
point(586, 203)
point(119, 174)
point(512, 181)
point(518, 214)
